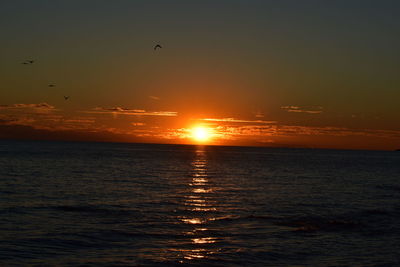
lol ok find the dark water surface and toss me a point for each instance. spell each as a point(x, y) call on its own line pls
point(102, 204)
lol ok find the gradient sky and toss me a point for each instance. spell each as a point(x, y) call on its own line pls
point(273, 73)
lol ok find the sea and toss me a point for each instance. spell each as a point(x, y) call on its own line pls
point(119, 204)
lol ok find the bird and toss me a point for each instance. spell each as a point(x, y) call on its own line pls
point(66, 97)
point(28, 62)
point(157, 46)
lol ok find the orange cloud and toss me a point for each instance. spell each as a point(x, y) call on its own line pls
point(225, 130)
point(30, 106)
point(306, 109)
point(41, 116)
point(259, 114)
point(288, 130)
point(239, 121)
point(133, 112)
point(154, 97)
point(138, 123)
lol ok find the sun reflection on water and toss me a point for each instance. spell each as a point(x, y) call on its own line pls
point(192, 221)
point(200, 202)
point(195, 254)
point(204, 240)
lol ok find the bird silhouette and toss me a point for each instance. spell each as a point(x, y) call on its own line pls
point(157, 46)
point(28, 62)
point(66, 97)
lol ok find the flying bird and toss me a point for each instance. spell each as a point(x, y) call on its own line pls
point(28, 62)
point(66, 97)
point(157, 46)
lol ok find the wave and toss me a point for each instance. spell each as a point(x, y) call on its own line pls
point(363, 220)
point(93, 209)
point(311, 224)
point(395, 188)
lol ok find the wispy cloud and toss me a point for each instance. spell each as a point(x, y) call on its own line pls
point(265, 133)
point(258, 114)
point(303, 109)
point(46, 120)
point(289, 130)
point(154, 97)
point(40, 106)
point(28, 114)
point(25, 121)
point(36, 133)
point(133, 112)
point(138, 123)
point(233, 120)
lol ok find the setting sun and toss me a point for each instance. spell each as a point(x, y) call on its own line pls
point(201, 134)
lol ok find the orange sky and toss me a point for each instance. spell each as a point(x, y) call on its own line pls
point(259, 74)
point(43, 121)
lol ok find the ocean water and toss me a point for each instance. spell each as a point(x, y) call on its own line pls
point(108, 204)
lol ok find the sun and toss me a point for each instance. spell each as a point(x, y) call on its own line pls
point(201, 134)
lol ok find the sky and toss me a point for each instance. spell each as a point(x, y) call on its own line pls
point(314, 74)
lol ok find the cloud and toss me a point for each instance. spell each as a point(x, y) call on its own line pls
point(46, 120)
point(36, 107)
point(303, 109)
point(289, 130)
point(4, 120)
point(154, 97)
point(267, 133)
point(133, 112)
point(138, 123)
point(259, 114)
point(233, 120)
point(33, 133)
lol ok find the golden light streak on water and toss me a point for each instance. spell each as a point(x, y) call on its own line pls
point(192, 221)
point(201, 190)
point(204, 240)
point(200, 200)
